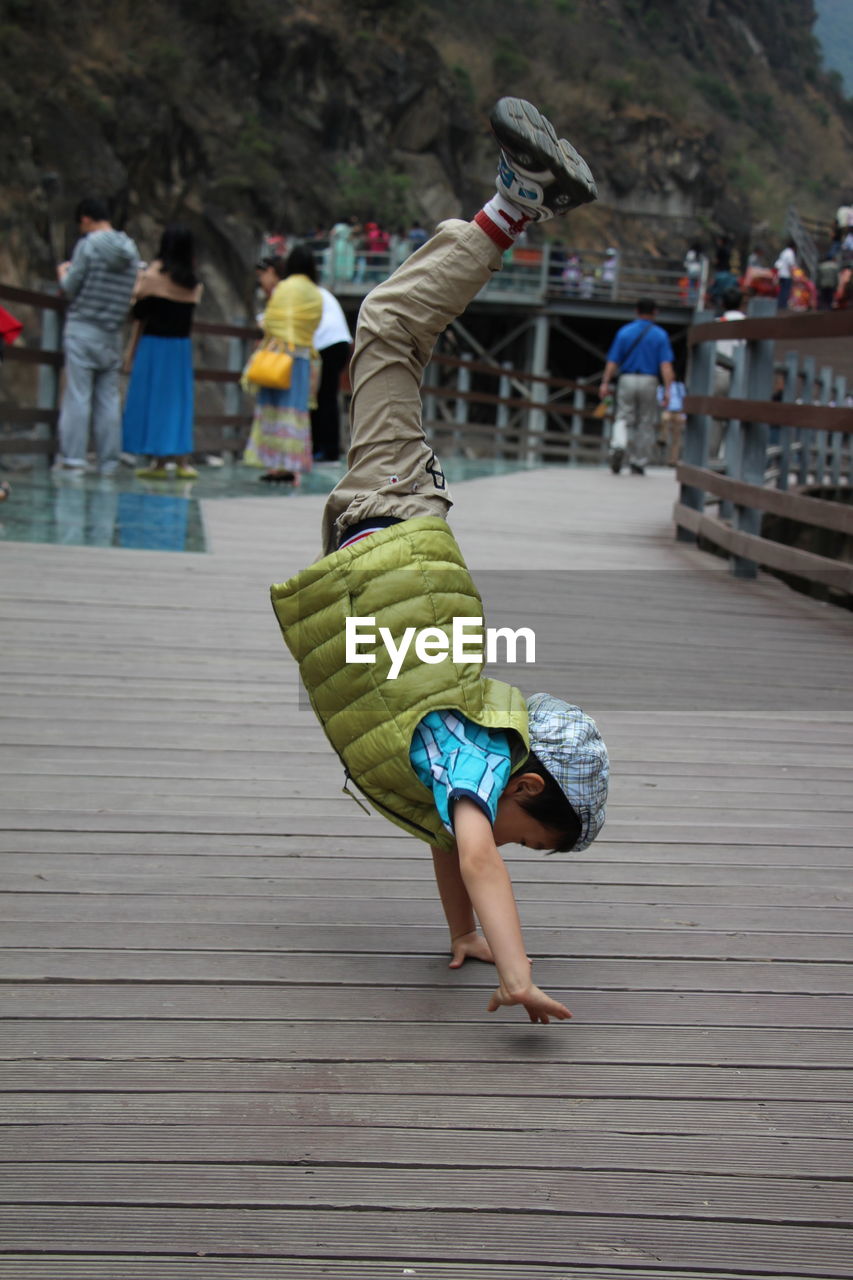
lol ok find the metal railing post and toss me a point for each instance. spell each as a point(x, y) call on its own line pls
point(755, 435)
point(734, 438)
point(502, 415)
point(822, 437)
point(805, 458)
point(47, 384)
point(236, 358)
point(460, 409)
point(836, 439)
point(698, 426)
point(545, 271)
point(789, 395)
point(579, 404)
point(536, 418)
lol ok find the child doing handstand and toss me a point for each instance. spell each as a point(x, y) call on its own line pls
point(459, 760)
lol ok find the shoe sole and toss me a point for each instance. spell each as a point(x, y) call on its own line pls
point(531, 143)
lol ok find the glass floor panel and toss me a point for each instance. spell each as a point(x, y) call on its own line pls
point(87, 510)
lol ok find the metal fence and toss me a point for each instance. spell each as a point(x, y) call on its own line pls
point(534, 276)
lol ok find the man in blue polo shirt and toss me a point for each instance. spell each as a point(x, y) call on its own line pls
point(641, 353)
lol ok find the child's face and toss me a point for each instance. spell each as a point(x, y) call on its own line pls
point(514, 825)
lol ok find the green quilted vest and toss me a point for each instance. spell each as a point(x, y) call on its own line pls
point(409, 575)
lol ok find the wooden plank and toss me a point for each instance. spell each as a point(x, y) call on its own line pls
point(446, 1000)
point(223, 908)
point(530, 1078)
point(806, 416)
point(804, 792)
point(33, 298)
point(400, 851)
point(437, 1111)
point(794, 506)
point(569, 1192)
point(40, 868)
point(21, 413)
point(729, 1154)
point(26, 1039)
point(554, 891)
point(791, 328)
point(568, 881)
point(309, 823)
point(493, 1237)
point(348, 969)
point(33, 355)
point(566, 940)
point(91, 1267)
point(772, 555)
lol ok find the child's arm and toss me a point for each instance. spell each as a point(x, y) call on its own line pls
point(489, 889)
point(465, 941)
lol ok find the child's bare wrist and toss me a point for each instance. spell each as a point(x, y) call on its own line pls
point(516, 983)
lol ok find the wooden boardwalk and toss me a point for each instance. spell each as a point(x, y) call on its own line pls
point(232, 1047)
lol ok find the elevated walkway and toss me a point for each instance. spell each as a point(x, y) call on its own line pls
point(233, 1049)
point(536, 278)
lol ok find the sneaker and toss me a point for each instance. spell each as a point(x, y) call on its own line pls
point(539, 172)
point(213, 460)
point(617, 457)
point(637, 469)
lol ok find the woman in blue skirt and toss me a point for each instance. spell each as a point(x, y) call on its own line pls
point(158, 413)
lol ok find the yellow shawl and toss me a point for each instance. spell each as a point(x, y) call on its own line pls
point(293, 311)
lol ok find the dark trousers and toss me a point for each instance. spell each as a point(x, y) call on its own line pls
point(325, 419)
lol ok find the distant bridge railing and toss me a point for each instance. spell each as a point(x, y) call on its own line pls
point(478, 409)
point(535, 276)
point(755, 457)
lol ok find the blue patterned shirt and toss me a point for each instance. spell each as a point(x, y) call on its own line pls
point(455, 757)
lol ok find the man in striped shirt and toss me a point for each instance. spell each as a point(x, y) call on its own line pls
point(99, 282)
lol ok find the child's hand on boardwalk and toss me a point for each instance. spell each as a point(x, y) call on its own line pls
point(470, 946)
point(540, 1007)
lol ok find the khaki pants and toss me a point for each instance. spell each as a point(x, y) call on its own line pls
point(392, 471)
point(636, 421)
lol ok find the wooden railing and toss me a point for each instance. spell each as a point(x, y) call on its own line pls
point(472, 408)
point(479, 409)
point(788, 457)
point(222, 430)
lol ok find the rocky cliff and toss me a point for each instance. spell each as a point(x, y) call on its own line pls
point(241, 116)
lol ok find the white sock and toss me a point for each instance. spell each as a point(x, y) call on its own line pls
point(511, 218)
point(502, 220)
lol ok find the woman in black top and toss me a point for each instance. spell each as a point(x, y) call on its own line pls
point(158, 415)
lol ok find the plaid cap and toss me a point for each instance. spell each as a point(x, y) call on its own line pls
point(572, 750)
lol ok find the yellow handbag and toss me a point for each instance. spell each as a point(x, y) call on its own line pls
point(270, 366)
